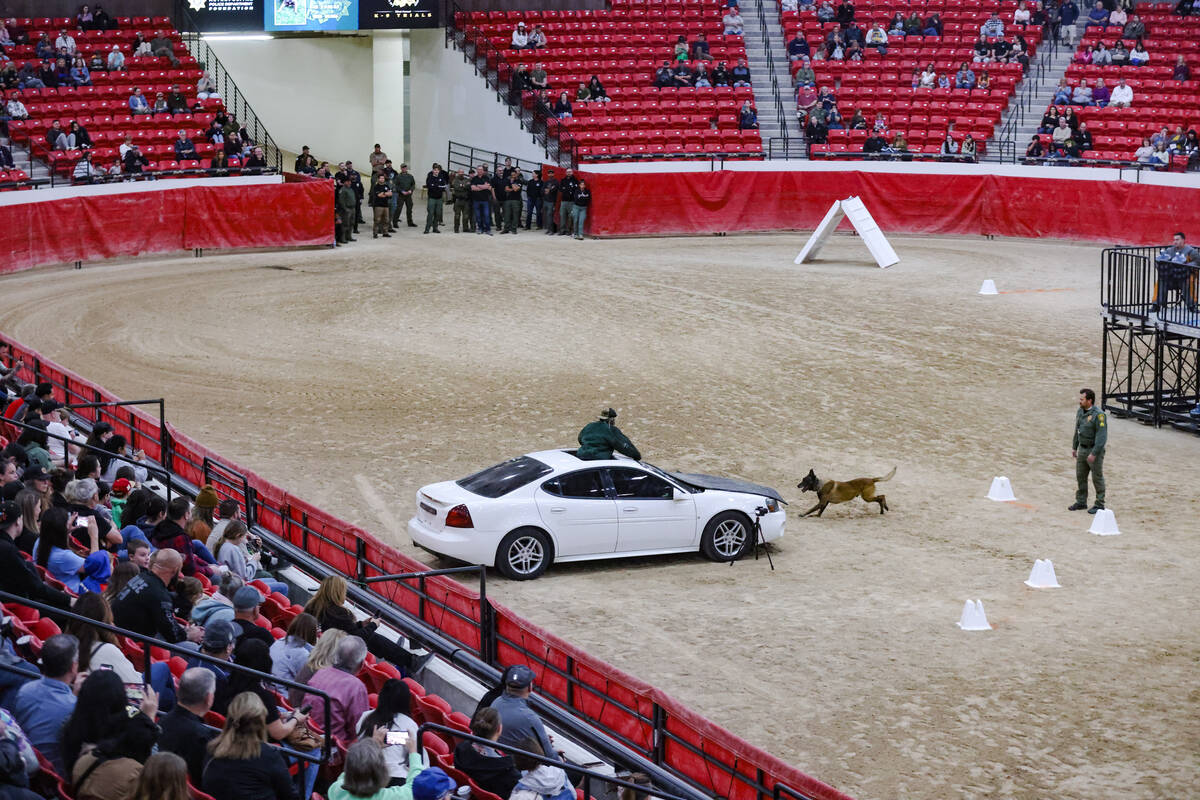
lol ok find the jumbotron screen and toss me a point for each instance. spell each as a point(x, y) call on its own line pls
point(312, 15)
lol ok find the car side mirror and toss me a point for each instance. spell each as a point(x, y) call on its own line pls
point(678, 494)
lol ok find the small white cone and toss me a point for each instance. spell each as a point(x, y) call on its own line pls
point(973, 618)
point(1001, 490)
point(1042, 575)
point(988, 287)
point(1104, 524)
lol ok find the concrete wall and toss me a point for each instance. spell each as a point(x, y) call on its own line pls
point(450, 102)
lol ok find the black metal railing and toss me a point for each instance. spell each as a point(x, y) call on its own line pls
point(492, 65)
point(467, 157)
point(1022, 102)
point(235, 102)
point(1136, 285)
point(767, 51)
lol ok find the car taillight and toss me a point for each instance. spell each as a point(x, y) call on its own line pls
point(459, 517)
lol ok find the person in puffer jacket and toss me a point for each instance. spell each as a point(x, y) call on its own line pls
point(539, 781)
point(219, 605)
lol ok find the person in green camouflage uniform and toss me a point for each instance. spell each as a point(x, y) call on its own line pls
point(1087, 448)
point(403, 185)
point(460, 187)
point(599, 439)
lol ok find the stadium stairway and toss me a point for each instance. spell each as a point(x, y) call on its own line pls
point(761, 73)
point(1043, 91)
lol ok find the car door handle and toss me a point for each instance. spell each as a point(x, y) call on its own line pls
point(630, 509)
point(557, 509)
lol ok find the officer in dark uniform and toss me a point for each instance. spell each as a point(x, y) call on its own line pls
point(357, 185)
point(533, 200)
point(405, 184)
point(394, 200)
point(435, 187)
point(566, 209)
point(599, 439)
point(512, 202)
point(346, 201)
point(549, 201)
point(499, 183)
point(460, 188)
point(1087, 448)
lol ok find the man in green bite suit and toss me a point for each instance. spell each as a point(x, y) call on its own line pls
point(599, 439)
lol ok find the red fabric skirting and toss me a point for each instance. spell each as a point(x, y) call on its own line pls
point(96, 227)
point(706, 202)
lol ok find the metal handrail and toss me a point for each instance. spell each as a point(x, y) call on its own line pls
point(456, 152)
point(766, 42)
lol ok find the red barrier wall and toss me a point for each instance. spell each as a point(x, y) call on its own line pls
point(1004, 205)
point(95, 227)
point(617, 701)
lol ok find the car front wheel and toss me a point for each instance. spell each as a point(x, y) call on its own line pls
point(727, 537)
point(524, 554)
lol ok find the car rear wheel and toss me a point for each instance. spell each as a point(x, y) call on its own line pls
point(727, 537)
point(524, 554)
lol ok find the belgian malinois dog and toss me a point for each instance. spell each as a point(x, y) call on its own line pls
point(843, 491)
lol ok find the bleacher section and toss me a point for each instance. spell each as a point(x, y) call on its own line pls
point(1158, 99)
point(103, 108)
point(884, 83)
point(624, 46)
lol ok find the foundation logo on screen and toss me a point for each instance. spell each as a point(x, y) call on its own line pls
point(398, 13)
point(197, 5)
point(328, 15)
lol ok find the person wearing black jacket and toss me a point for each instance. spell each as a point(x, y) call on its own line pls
point(488, 767)
point(381, 198)
point(183, 730)
point(134, 162)
point(18, 576)
point(583, 201)
point(498, 180)
point(435, 187)
point(533, 200)
point(328, 606)
point(512, 202)
point(145, 606)
point(549, 200)
point(357, 185)
point(566, 211)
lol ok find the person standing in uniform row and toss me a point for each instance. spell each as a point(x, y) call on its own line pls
point(482, 195)
point(566, 209)
point(583, 200)
point(533, 199)
point(405, 185)
point(460, 190)
point(1087, 448)
point(346, 202)
point(549, 201)
point(435, 186)
point(512, 202)
point(380, 198)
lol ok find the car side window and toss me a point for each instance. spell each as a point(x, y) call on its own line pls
point(635, 483)
point(586, 483)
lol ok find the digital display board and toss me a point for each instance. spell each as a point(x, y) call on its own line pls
point(237, 16)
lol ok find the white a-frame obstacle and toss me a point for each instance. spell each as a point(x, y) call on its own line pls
point(862, 221)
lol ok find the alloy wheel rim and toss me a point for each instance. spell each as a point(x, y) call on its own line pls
point(526, 555)
point(729, 537)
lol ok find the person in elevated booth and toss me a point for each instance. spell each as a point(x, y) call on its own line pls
point(599, 439)
point(1175, 267)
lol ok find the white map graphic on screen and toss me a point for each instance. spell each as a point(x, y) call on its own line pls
point(305, 12)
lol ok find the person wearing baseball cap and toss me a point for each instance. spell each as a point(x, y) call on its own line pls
point(246, 601)
point(432, 784)
point(599, 439)
point(18, 576)
point(518, 721)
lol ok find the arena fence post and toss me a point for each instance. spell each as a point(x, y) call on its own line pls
point(659, 723)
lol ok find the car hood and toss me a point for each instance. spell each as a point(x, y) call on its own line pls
point(726, 484)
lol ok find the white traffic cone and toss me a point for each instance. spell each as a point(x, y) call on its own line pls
point(1042, 575)
point(1001, 490)
point(973, 618)
point(1104, 524)
point(988, 287)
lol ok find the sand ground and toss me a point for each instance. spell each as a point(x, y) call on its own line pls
point(354, 377)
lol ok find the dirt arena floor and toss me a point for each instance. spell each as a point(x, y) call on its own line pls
point(354, 377)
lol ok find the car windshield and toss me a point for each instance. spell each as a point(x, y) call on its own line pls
point(668, 477)
point(506, 476)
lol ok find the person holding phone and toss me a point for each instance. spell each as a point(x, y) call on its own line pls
point(393, 713)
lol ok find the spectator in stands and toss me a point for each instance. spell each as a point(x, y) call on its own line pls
point(1122, 95)
point(968, 148)
point(64, 42)
point(206, 88)
point(29, 78)
point(44, 48)
point(539, 781)
point(84, 19)
point(234, 554)
point(393, 713)
point(116, 59)
point(289, 654)
point(994, 27)
point(80, 76)
point(877, 37)
point(518, 721)
point(1181, 72)
point(41, 707)
point(161, 46)
point(964, 78)
point(16, 31)
point(348, 695)
point(1101, 93)
point(1062, 132)
point(562, 107)
point(145, 606)
point(845, 13)
point(218, 644)
point(183, 730)
point(933, 25)
point(1138, 56)
point(1120, 56)
point(928, 77)
point(17, 110)
point(1098, 16)
point(720, 76)
point(943, 81)
point(101, 20)
point(17, 576)
point(1101, 57)
point(184, 148)
point(1072, 119)
point(682, 74)
point(256, 162)
point(1062, 94)
point(538, 79)
point(246, 603)
point(1176, 141)
point(734, 25)
point(492, 770)
point(1034, 150)
point(537, 38)
point(1161, 156)
point(306, 164)
point(176, 101)
point(164, 777)
point(520, 38)
point(160, 104)
point(138, 103)
point(1118, 18)
point(53, 553)
point(366, 775)
point(328, 605)
point(1082, 95)
point(747, 118)
point(949, 147)
point(1173, 265)
point(1022, 15)
point(596, 90)
point(1134, 28)
point(826, 12)
point(798, 47)
point(243, 766)
point(1083, 137)
point(85, 172)
point(57, 138)
point(103, 745)
point(741, 73)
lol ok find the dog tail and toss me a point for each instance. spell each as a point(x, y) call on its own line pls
point(887, 477)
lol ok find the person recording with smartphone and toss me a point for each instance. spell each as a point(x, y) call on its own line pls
point(393, 716)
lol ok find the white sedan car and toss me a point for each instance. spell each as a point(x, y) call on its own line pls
point(525, 513)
